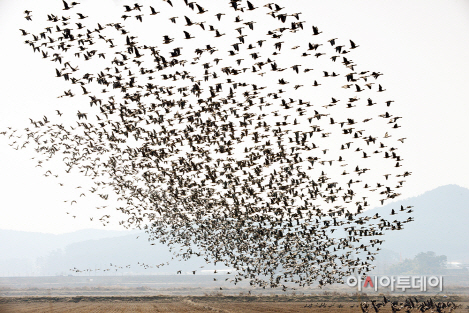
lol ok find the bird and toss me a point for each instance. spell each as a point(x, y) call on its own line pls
point(66, 7)
point(353, 45)
point(316, 30)
point(153, 11)
point(187, 35)
point(250, 6)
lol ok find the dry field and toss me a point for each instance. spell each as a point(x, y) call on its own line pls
point(235, 304)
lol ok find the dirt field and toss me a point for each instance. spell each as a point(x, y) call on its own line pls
point(233, 304)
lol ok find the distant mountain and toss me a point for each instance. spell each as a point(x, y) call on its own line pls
point(440, 225)
point(30, 253)
point(112, 256)
point(21, 244)
point(20, 250)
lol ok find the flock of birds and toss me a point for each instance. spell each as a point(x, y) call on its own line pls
point(241, 135)
point(410, 304)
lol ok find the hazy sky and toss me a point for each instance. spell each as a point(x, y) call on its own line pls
point(421, 46)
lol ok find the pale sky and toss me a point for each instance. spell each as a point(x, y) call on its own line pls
point(421, 47)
